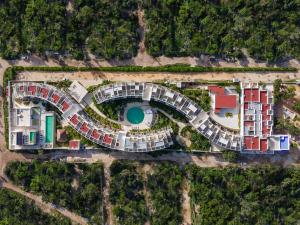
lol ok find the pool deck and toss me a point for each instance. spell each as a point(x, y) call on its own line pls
point(148, 117)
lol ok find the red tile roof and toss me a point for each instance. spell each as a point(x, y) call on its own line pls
point(264, 145)
point(225, 101)
point(107, 139)
point(74, 144)
point(216, 90)
point(249, 123)
point(265, 107)
point(55, 98)
point(65, 106)
point(84, 128)
point(32, 89)
point(263, 97)
point(95, 134)
point(74, 119)
point(44, 92)
point(251, 143)
point(251, 95)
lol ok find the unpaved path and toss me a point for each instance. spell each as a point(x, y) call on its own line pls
point(45, 207)
point(145, 170)
point(93, 78)
point(186, 204)
point(106, 202)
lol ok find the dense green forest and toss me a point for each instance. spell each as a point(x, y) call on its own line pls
point(242, 196)
point(165, 187)
point(107, 29)
point(76, 187)
point(17, 210)
point(261, 195)
point(269, 30)
point(126, 194)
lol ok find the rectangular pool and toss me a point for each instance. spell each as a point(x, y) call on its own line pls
point(32, 137)
point(49, 129)
point(284, 142)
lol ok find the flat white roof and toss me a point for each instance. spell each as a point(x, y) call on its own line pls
point(223, 140)
point(192, 108)
point(22, 117)
point(169, 94)
point(77, 91)
point(209, 132)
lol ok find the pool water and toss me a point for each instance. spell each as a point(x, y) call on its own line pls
point(135, 115)
point(49, 129)
point(284, 142)
point(31, 137)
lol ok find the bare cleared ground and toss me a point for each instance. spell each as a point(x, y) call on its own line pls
point(92, 78)
point(186, 204)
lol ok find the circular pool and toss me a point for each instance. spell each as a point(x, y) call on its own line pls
point(135, 115)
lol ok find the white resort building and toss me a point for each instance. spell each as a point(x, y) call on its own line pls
point(255, 124)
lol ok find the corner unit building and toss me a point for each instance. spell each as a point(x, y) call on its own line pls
point(257, 120)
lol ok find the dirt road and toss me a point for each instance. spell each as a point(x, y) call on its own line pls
point(93, 78)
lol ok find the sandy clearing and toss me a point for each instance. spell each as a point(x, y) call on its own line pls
point(186, 204)
point(92, 78)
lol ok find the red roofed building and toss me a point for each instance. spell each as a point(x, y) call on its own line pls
point(44, 92)
point(264, 145)
point(251, 95)
point(107, 139)
point(65, 106)
point(224, 102)
point(84, 128)
point(221, 100)
point(32, 89)
point(74, 145)
point(216, 90)
point(55, 98)
point(95, 134)
point(74, 119)
point(251, 143)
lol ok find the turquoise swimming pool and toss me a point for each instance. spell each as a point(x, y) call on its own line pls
point(49, 129)
point(135, 115)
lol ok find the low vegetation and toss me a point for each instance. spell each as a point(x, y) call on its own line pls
point(201, 97)
point(102, 120)
point(8, 75)
point(171, 111)
point(93, 88)
point(74, 135)
point(177, 68)
point(126, 194)
point(198, 141)
point(282, 92)
point(256, 195)
point(165, 188)
point(287, 126)
point(63, 84)
point(78, 188)
point(296, 107)
point(17, 210)
point(163, 121)
point(112, 108)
